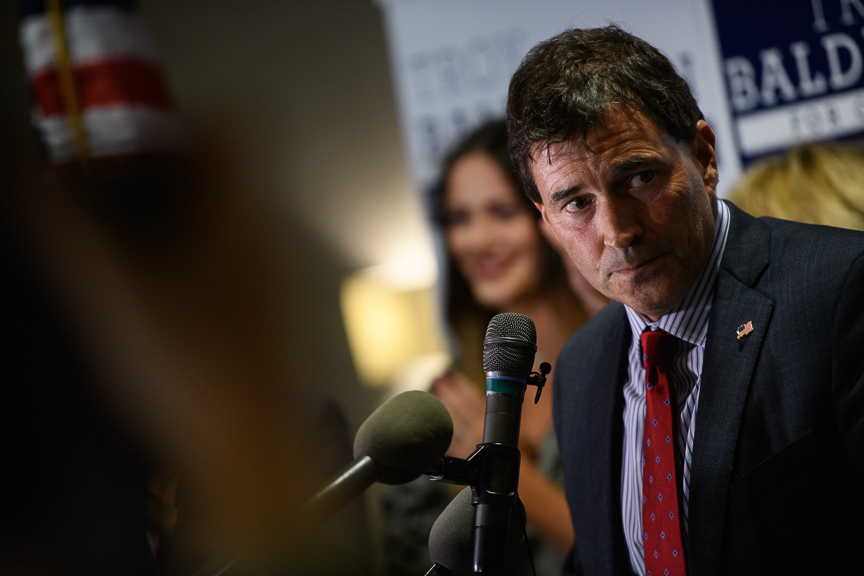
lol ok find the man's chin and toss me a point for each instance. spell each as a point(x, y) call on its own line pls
point(651, 306)
point(652, 294)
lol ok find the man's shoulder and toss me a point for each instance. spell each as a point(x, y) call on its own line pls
point(788, 229)
point(594, 354)
point(788, 250)
point(803, 238)
point(823, 254)
point(605, 328)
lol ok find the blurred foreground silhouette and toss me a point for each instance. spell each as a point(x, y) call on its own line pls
point(154, 419)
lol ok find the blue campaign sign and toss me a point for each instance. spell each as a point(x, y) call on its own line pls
point(794, 71)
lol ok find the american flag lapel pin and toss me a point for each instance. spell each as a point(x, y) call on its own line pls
point(744, 329)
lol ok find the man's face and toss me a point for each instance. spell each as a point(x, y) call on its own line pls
point(634, 208)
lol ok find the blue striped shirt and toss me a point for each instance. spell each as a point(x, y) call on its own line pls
point(689, 323)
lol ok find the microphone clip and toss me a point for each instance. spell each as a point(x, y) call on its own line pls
point(492, 471)
point(539, 379)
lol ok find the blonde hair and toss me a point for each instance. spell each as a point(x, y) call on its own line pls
point(817, 184)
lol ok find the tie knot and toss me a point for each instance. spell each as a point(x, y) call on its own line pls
point(657, 348)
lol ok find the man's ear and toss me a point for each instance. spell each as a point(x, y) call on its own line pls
point(542, 210)
point(703, 151)
point(548, 232)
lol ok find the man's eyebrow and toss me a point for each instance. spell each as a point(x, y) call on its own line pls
point(629, 164)
point(561, 195)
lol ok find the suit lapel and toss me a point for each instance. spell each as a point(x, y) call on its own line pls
point(726, 374)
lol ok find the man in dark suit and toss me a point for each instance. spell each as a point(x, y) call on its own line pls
point(735, 345)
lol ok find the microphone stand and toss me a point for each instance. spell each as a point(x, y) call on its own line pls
point(492, 472)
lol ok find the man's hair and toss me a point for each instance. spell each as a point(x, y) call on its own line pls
point(566, 85)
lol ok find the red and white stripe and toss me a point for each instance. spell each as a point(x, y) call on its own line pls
point(122, 96)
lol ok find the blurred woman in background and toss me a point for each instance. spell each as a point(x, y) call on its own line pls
point(497, 260)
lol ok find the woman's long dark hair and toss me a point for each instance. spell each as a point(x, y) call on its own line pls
point(466, 317)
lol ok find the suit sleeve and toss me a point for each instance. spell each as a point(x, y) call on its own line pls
point(848, 372)
point(571, 565)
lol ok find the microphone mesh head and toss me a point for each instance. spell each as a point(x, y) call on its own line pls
point(516, 354)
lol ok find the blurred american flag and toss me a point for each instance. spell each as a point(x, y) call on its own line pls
point(101, 99)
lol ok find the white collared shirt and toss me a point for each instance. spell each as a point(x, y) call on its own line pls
point(689, 323)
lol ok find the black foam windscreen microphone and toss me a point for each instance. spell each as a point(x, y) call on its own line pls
point(451, 540)
point(508, 357)
point(398, 442)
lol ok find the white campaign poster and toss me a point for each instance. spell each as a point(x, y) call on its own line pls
point(452, 61)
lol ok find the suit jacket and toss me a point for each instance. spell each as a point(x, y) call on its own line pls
point(777, 476)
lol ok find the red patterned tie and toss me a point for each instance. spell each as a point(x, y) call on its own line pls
point(661, 522)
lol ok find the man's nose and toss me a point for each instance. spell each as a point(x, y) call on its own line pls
point(619, 223)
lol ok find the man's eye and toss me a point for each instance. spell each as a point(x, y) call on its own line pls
point(641, 178)
point(577, 204)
